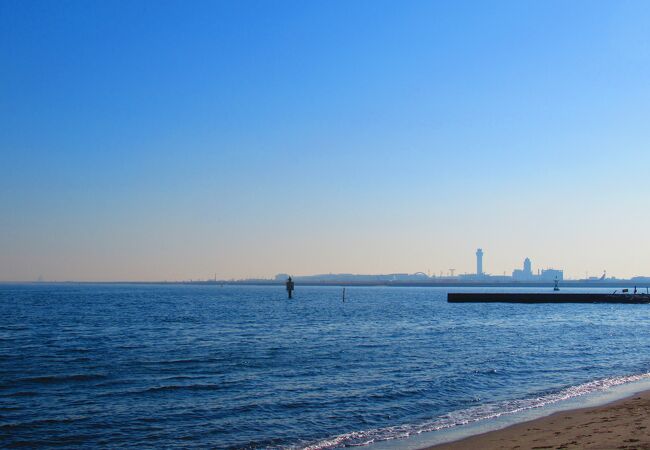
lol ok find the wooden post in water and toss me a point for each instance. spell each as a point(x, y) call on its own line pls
point(343, 295)
point(289, 285)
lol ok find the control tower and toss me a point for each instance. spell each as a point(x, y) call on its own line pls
point(479, 261)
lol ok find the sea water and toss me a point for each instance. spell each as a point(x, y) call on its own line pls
point(189, 366)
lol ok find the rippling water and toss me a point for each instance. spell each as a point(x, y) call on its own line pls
point(243, 367)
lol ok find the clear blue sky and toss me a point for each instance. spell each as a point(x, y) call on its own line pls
point(171, 140)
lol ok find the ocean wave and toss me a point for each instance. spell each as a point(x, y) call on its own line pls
point(41, 422)
point(78, 350)
point(63, 378)
point(469, 415)
point(180, 387)
point(23, 394)
point(179, 361)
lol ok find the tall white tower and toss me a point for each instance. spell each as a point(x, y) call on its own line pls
point(528, 268)
point(479, 261)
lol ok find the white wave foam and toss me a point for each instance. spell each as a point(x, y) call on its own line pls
point(469, 415)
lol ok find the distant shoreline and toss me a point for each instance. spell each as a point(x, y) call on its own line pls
point(447, 284)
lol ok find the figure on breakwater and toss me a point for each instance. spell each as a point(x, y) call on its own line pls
point(289, 285)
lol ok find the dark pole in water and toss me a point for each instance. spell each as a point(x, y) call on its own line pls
point(289, 285)
point(343, 295)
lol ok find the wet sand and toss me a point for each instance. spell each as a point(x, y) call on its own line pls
point(624, 424)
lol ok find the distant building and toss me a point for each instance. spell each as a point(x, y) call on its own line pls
point(479, 261)
point(525, 274)
point(419, 277)
point(551, 274)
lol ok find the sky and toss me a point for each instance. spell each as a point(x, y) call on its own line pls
point(172, 140)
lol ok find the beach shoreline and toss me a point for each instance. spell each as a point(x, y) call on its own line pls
point(621, 424)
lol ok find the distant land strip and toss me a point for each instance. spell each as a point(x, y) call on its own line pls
point(618, 283)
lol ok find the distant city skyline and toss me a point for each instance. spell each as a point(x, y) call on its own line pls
point(147, 141)
point(525, 273)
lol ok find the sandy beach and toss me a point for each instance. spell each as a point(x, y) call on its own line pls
point(624, 424)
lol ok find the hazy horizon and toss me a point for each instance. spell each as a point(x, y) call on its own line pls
point(170, 141)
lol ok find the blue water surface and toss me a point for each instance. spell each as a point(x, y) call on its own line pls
point(242, 367)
